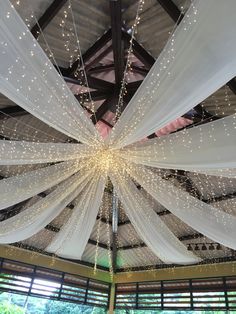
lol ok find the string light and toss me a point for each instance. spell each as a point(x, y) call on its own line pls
point(101, 210)
point(105, 159)
point(81, 71)
point(128, 66)
point(107, 207)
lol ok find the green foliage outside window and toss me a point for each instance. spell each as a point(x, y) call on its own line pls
point(8, 308)
point(19, 304)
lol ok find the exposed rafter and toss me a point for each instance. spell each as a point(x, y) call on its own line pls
point(98, 58)
point(133, 86)
point(190, 188)
point(102, 109)
point(93, 82)
point(114, 248)
point(12, 111)
point(171, 8)
point(140, 52)
point(232, 85)
point(46, 18)
point(110, 67)
point(35, 249)
point(100, 43)
point(91, 52)
point(95, 95)
point(204, 114)
point(101, 68)
point(210, 261)
point(117, 44)
point(94, 120)
point(106, 90)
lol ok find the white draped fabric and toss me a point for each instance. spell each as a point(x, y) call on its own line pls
point(206, 219)
point(19, 188)
point(198, 59)
point(70, 242)
point(36, 217)
point(149, 225)
point(20, 153)
point(208, 148)
point(29, 79)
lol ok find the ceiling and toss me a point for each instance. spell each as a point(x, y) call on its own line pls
point(103, 29)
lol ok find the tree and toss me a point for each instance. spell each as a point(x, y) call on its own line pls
point(58, 307)
point(8, 308)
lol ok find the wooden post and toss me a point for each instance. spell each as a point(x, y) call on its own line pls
point(112, 299)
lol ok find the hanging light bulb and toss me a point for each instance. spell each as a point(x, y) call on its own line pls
point(211, 247)
point(190, 247)
point(196, 247)
point(204, 248)
point(218, 247)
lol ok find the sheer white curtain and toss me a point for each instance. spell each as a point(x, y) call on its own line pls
point(198, 59)
point(208, 148)
point(36, 217)
point(149, 225)
point(29, 79)
point(206, 219)
point(71, 241)
point(20, 153)
point(21, 187)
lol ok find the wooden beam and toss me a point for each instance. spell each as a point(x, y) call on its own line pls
point(15, 111)
point(131, 247)
point(142, 244)
point(13, 210)
point(95, 95)
point(102, 109)
point(133, 86)
point(98, 45)
point(12, 111)
point(140, 70)
point(46, 18)
point(189, 187)
point(112, 299)
point(171, 8)
point(98, 57)
point(203, 114)
point(34, 258)
point(221, 198)
point(99, 244)
point(34, 249)
point(100, 84)
point(232, 85)
point(4, 138)
point(186, 182)
point(191, 237)
point(117, 46)
point(183, 272)
point(141, 53)
point(55, 229)
point(93, 82)
point(101, 68)
point(109, 67)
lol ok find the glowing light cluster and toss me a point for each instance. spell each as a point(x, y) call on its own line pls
point(107, 161)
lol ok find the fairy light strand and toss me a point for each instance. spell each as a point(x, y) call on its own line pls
point(128, 62)
point(82, 61)
point(106, 160)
